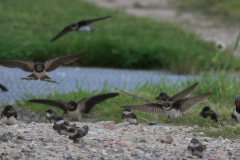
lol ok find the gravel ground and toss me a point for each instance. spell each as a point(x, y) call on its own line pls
point(108, 140)
point(89, 78)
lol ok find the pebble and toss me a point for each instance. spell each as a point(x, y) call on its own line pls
point(39, 141)
point(167, 139)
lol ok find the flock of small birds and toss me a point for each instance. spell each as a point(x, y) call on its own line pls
point(174, 107)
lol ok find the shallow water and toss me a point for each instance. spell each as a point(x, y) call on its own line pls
point(89, 78)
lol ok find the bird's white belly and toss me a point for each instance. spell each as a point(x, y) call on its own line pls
point(48, 115)
point(197, 153)
point(75, 115)
point(39, 75)
point(84, 29)
point(9, 121)
point(173, 113)
point(132, 121)
point(237, 115)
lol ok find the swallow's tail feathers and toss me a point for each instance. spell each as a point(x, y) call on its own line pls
point(31, 77)
point(48, 79)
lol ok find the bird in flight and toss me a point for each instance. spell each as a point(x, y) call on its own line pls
point(39, 69)
point(81, 26)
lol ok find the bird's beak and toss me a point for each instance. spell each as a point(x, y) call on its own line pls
point(157, 98)
point(11, 111)
point(70, 107)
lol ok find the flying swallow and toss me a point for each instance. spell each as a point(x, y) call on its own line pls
point(76, 134)
point(9, 116)
point(75, 109)
point(3, 88)
point(174, 109)
point(39, 69)
point(236, 111)
point(129, 116)
point(81, 26)
point(196, 148)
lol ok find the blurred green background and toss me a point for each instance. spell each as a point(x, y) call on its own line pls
point(123, 41)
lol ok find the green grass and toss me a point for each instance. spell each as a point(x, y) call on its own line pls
point(122, 41)
point(221, 7)
point(224, 88)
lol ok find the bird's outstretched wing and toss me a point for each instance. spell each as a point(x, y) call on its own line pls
point(92, 101)
point(62, 33)
point(138, 97)
point(183, 93)
point(24, 65)
point(149, 108)
point(53, 64)
point(184, 104)
point(87, 22)
point(56, 103)
point(3, 88)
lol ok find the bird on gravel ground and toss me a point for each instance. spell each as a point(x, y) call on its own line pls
point(61, 126)
point(75, 109)
point(196, 148)
point(3, 88)
point(39, 69)
point(81, 26)
point(76, 134)
point(51, 114)
point(9, 116)
point(236, 111)
point(129, 116)
point(207, 112)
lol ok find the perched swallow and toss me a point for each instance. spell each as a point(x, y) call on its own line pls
point(61, 126)
point(76, 134)
point(162, 96)
point(236, 111)
point(9, 116)
point(174, 109)
point(196, 148)
point(51, 113)
point(81, 26)
point(129, 116)
point(3, 88)
point(207, 112)
point(75, 109)
point(39, 69)
point(180, 95)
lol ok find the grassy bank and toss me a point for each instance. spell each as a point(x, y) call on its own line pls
point(223, 88)
point(122, 41)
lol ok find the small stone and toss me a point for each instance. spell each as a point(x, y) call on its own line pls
point(122, 125)
point(195, 126)
point(180, 128)
point(152, 123)
point(142, 140)
point(134, 154)
point(167, 139)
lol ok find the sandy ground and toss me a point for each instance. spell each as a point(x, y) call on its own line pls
point(208, 28)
